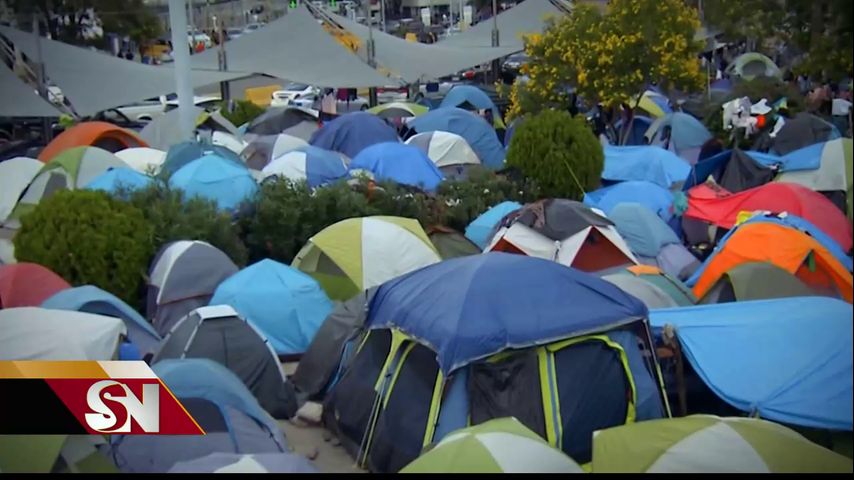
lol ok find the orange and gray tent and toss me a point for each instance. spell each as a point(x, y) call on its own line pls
point(183, 277)
point(756, 281)
point(785, 247)
point(92, 134)
point(564, 231)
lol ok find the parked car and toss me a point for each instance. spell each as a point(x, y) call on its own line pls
point(292, 91)
point(514, 62)
point(233, 33)
point(392, 94)
point(312, 101)
point(252, 27)
point(198, 36)
point(144, 111)
point(208, 102)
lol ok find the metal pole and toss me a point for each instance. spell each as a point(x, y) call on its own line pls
point(47, 129)
point(496, 65)
point(192, 24)
point(183, 87)
point(372, 92)
point(382, 15)
point(224, 89)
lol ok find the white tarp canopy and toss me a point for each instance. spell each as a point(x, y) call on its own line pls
point(419, 62)
point(32, 333)
point(94, 81)
point(296, 47)
point(17, 99)
point(526, 17)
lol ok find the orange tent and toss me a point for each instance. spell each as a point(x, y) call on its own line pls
point(97, 134)
point(787, 248)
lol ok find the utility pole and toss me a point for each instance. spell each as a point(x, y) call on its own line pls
point(372, 92)
point(496, 65)
point(47, 128)
point(192, 29)
point(224, 88)
point(183, 87)
point(382, 15)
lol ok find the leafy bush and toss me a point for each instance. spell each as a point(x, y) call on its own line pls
point(244, 112)
point(461, 201)
point(174, 217)
point(87, 237)
point(559, 153)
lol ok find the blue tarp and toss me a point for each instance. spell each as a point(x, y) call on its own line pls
point(649, 163)
point(716, 163)
point(215, 178)
point(460, 94)
point(788, 220)
point(789, 360)
point(400, 163)
point(807, 158)
point(639, 126)
point(471, 307)
point(479, 134)
point(119, 178)
point(183, 153)
point(91, 299)
point(657, 199)
point(353, 132)
point(287, 305)
point(645, 232)
point(480, 229)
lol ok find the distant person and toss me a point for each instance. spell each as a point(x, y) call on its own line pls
point(328, 105)
point(129, 55)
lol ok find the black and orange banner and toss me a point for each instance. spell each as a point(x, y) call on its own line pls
point(87, 397)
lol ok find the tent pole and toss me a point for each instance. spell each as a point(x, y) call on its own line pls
point(178, 26)
point(47, 129)
point(496, 65)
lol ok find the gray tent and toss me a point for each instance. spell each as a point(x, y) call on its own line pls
point(231, 418)
point(294, 121)
point(327, 356)
point(802, 131)
point(21, 100)
point(94, 81)
point(290, 48)
point(673, 259)
point(183, 277)
point(525, 17)
point(218, 333)
point(164, 131)
point(415, 61)
point(237, 463)
point(649, 294)
point(266, 148)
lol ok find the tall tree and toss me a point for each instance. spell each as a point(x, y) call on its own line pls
point(611, 57)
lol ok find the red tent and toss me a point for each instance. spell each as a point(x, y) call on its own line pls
point(28, 285)
point(721, 207)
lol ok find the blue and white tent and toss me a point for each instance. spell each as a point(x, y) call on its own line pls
point(91, 299)
point(480, 230)
point(264, 149)
point(654, 197)
point(314, 165)
point(286, 305)
point(120, 178)
point(461, 95)
point(686, 135)
point(474, 129)
point(400, 163)
point(449, 151)
point(648, 163)
point(787, 360)
point(183, 153)
point(215, 178)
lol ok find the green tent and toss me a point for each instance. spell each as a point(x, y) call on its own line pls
point(53, 454)
point(359, 253)
point(502, 445)
point(399, 110)
point(72, 169)
point(451, 243)
point(709, 444)
point(753, 65)
point(756, 281)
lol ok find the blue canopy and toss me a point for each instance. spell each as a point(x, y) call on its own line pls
point(480, 229)
point(644, 231)
point(788, 220)
point(716, 163)
point(479, 134)
point(119, 178)
point(91, 299)
point(183, 153)
point(206, 379)
point(638, 130)
point(469, 308)
point(656, 198)
point(400, 163)
point(649, 163)
point(459, 95)
point(353, 132)
point(215, 178)
point(789, 359)
point(287, 305)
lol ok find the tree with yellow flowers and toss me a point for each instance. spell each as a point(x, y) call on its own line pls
point(612, 57)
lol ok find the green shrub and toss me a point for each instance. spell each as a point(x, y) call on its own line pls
point(174, 217)
point(244, 112)
point(89, 238)
point(559, 153)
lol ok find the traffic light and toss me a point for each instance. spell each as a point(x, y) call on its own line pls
point(292, 4)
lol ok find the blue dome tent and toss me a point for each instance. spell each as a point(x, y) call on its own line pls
point(398, 162)
point(461, 95)
point(216, 178)
point(474, 129)
point(657, 199)
point(649, 163)
point(116, 179)
point(353, 132)
point(183, 153)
